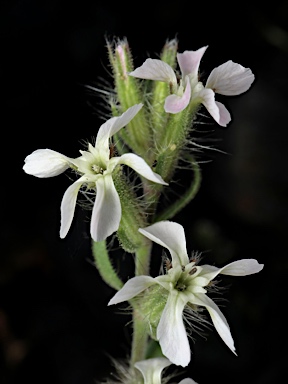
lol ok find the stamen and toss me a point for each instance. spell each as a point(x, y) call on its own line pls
point(97, 169)
point(193, 270)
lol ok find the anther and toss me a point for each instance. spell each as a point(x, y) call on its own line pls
point(193, 270)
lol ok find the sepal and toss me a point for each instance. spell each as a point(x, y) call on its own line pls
point(132, 214)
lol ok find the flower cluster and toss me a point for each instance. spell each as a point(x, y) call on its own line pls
point(123, 176)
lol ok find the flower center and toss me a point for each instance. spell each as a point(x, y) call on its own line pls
point(180, 286)
point(185, 279)
point(97, 169)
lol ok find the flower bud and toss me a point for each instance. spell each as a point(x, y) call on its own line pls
point(138, 134)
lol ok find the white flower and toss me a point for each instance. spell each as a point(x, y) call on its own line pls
point(185, 282)
point(95, 168)
point(228, 79)
point(151, 370)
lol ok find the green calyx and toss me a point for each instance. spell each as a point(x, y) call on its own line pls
point(132, 217)
point(150, 307)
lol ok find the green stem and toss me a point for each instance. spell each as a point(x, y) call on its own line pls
point(140, 334)
point(104, 266)
point(189, 194)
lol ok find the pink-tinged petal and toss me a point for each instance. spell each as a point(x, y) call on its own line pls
point(189, 61)
point(106, 213)
point(132, 288)
point(225, 116)
point(109, 128)
point(153, 69)
point(140, 166)
point(175, 104)
point(207, 97)
point(151, 369)
point(171, 331)
point(217, 110)
point(218, 319)
point(230, 79)
point(45, 163)
point(68, 206)
point(171, 236)
point(187, 381)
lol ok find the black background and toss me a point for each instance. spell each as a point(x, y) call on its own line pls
point(54, 322)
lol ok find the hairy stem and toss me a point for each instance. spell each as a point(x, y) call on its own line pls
point(140, 334)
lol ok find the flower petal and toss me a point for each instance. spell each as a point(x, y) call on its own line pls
point(151, 369)
point(45, 163)
point(171, 236)
point(153, 69)
point(242, 267)
point(124, 119)
point(171, 332)
point(68, 206)
point(187, 381)
point(207, 97)
point(132, 288)
point(224, 117)
point(140, 166)
point(230, 79)
point(217, 317)
point(109, 128)
point(106, 213)
point(175, 103)
point(189, 61)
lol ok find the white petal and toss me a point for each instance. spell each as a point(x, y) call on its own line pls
point(45, 163)
point(209, 272)
point(171, 236)
point(175, 104)
point(68, 207)
point(230, 79)
point(151, 369)
point(171, 332)
point(187, 381)
point(242, 267)
point(189, 61)
point(218, 319)
point(153, 69)
point(106, 213)
point(140, 166)
point(132, 288)
point(125, 118)
point(109, 128)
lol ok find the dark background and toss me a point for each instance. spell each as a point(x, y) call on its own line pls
point(54, 322)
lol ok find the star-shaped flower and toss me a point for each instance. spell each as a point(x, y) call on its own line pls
point(228, 79)
point(95, 167)
point(186, 284)
point(151, 370)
